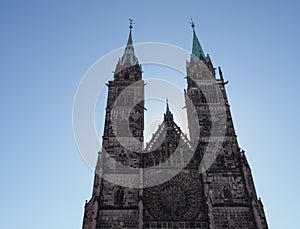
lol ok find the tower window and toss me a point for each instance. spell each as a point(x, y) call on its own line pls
point(123, 158)
point(227, 194)
point(119, 196)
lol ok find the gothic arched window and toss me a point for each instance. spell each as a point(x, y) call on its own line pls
point(227, 194)
point(119, 196)
point(123, 158)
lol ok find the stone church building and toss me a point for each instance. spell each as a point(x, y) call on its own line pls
point(216, 195)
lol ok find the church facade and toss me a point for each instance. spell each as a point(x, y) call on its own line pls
point(216, 195)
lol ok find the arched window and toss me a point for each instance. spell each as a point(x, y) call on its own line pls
point(227, 194)
point(203, 98)
point(123, 158)
point(119, 196)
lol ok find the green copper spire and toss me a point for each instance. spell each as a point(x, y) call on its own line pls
point(168, 109)
point(197, 50)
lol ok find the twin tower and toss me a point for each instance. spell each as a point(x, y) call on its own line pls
point(203, 182)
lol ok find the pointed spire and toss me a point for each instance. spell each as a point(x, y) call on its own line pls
point(168, 109)
point(128, 59)
point(129, 50)
point(197, 50)
point(129, 42)
point(168, 116)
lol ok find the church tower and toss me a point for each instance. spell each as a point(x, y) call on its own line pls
point(111, 205)
point(211, 189)
point(227, 181)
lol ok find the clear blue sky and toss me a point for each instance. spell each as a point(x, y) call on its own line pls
point(47, 46)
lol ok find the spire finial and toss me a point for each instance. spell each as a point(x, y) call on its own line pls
point(168, 109)
point(130, 36)
point(130, 23)
point(192, 23)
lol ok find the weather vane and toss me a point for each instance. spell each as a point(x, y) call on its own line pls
point(192, 23)
point(130, 23)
